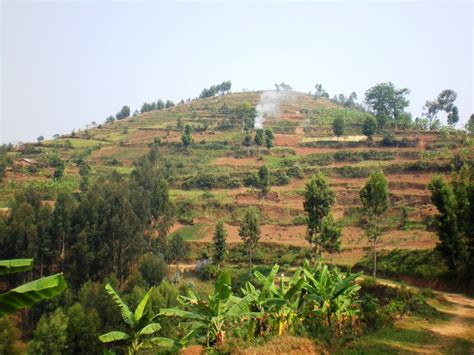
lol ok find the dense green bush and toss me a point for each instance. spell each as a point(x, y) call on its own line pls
point(421, 264)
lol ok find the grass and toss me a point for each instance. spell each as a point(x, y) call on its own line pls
point(194, 232)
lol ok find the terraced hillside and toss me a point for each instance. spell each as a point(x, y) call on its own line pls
point(212, 178)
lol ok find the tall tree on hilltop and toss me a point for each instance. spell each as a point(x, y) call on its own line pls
point(386, 100)
point(374, 198)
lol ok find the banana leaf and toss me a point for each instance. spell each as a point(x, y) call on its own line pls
point(15, 265)
point(30, 293)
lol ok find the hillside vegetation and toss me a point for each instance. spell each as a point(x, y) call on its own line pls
point(229, 218)
point(214, 177)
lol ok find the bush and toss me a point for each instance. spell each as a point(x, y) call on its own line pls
point(389, 139)
point(153, 268)
point(280, 178)
point(295, 172)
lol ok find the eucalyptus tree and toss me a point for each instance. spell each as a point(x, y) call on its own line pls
point(374, 198)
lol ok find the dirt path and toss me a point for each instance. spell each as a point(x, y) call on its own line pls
point(455, 335)
point(461, 324)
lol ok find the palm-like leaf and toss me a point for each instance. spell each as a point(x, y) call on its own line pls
point(15, 265)
point(127, 315)
point(150, 329)
point(113, 336)
point(139, 311)
point(30, 293)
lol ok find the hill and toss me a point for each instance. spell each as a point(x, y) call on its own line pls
point(212, 178)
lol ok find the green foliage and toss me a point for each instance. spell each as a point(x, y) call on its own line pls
point(177, 250)
point(141, 324)
point(30, 293)
point(259, 138)
point(82, 328)
point(338, 126)
point(9, 336)
point(209, 319)
point(331, 297)
point(249, 230)
point(389, 139)
point(269, 136)
point(318, 199)
point(264, 180)
point(454, 222)
point(186, 138)
point(220, 248)
point(55, 161)
point(153, 268)
point(50, 336)
point(374, 198)
point(123, 113)
point(386, 99)
point(420, 264)
point(369, 127)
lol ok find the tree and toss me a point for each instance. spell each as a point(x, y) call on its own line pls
point(160, 105)
point(82, 328)
point(269, 136)
point(264, 180)
point(318, 199)
point(259, 138)
point(153, 268)
point(40, 139)
point(369, 127)
point(444, 102)
point(109, 119)
point(186, 138)
point(84, 172)
point(320, 92)
point(374, 198)
point(220, 248)
point(455, 223)
point(123, 113)
point(453, 116)
point(386, 99)
point(169, 104)
point(245, 113)
point(249, 230)
point(177, 251)
point(247, 142)
point(55, 161)
point(50, 337)
point(338, 126)
point(142, 326)
point(470, 124)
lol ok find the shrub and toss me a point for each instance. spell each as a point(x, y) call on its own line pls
point(153, 268)
point(389, 139)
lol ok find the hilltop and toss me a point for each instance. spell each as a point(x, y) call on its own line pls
point(212, 178)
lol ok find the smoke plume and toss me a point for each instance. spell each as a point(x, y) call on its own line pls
point(269, 104)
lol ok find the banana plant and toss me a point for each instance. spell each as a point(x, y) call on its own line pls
point(210, 318)
point(278, 298)
point(142, 327)
point(329, 294)
point(30, 293)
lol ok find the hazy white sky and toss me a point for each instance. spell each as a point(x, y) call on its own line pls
point(65, 64)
